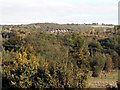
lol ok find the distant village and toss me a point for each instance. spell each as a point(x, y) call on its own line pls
point(94, 26)
point(107, 27)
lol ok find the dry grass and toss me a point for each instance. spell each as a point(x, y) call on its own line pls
point(103, 80)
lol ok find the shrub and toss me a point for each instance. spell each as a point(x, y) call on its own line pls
point(98, 63)
point(19, 71)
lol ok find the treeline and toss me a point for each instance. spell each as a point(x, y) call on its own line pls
point(42, 60)
point(48, 27)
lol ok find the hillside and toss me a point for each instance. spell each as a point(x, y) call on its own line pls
point(50, 55)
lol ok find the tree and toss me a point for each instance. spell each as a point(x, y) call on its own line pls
point(20, 71)
point(14, 43)
point(108, 63)
point(95, 46)
point(98, 63)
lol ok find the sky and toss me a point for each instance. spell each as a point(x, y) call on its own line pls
point(58, 11)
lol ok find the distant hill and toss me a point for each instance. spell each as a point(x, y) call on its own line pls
point(49, 27)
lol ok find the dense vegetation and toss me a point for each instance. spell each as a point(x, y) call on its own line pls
point(33, 58)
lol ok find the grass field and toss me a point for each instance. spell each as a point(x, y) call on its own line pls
point(104, 80)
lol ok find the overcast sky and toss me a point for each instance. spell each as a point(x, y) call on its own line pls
point(58, 11)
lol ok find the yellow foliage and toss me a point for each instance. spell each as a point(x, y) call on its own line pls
point(21, 69)
point(20, 61)
point(30, 48)
point(22, 37)
point(82, 56)
point(24, 54)
point(18, 55)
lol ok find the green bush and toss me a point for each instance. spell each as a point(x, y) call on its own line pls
point(98, 63)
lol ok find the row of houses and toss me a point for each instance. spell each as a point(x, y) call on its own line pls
point(58, 31)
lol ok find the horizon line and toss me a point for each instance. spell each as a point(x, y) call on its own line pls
point(54, 23)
